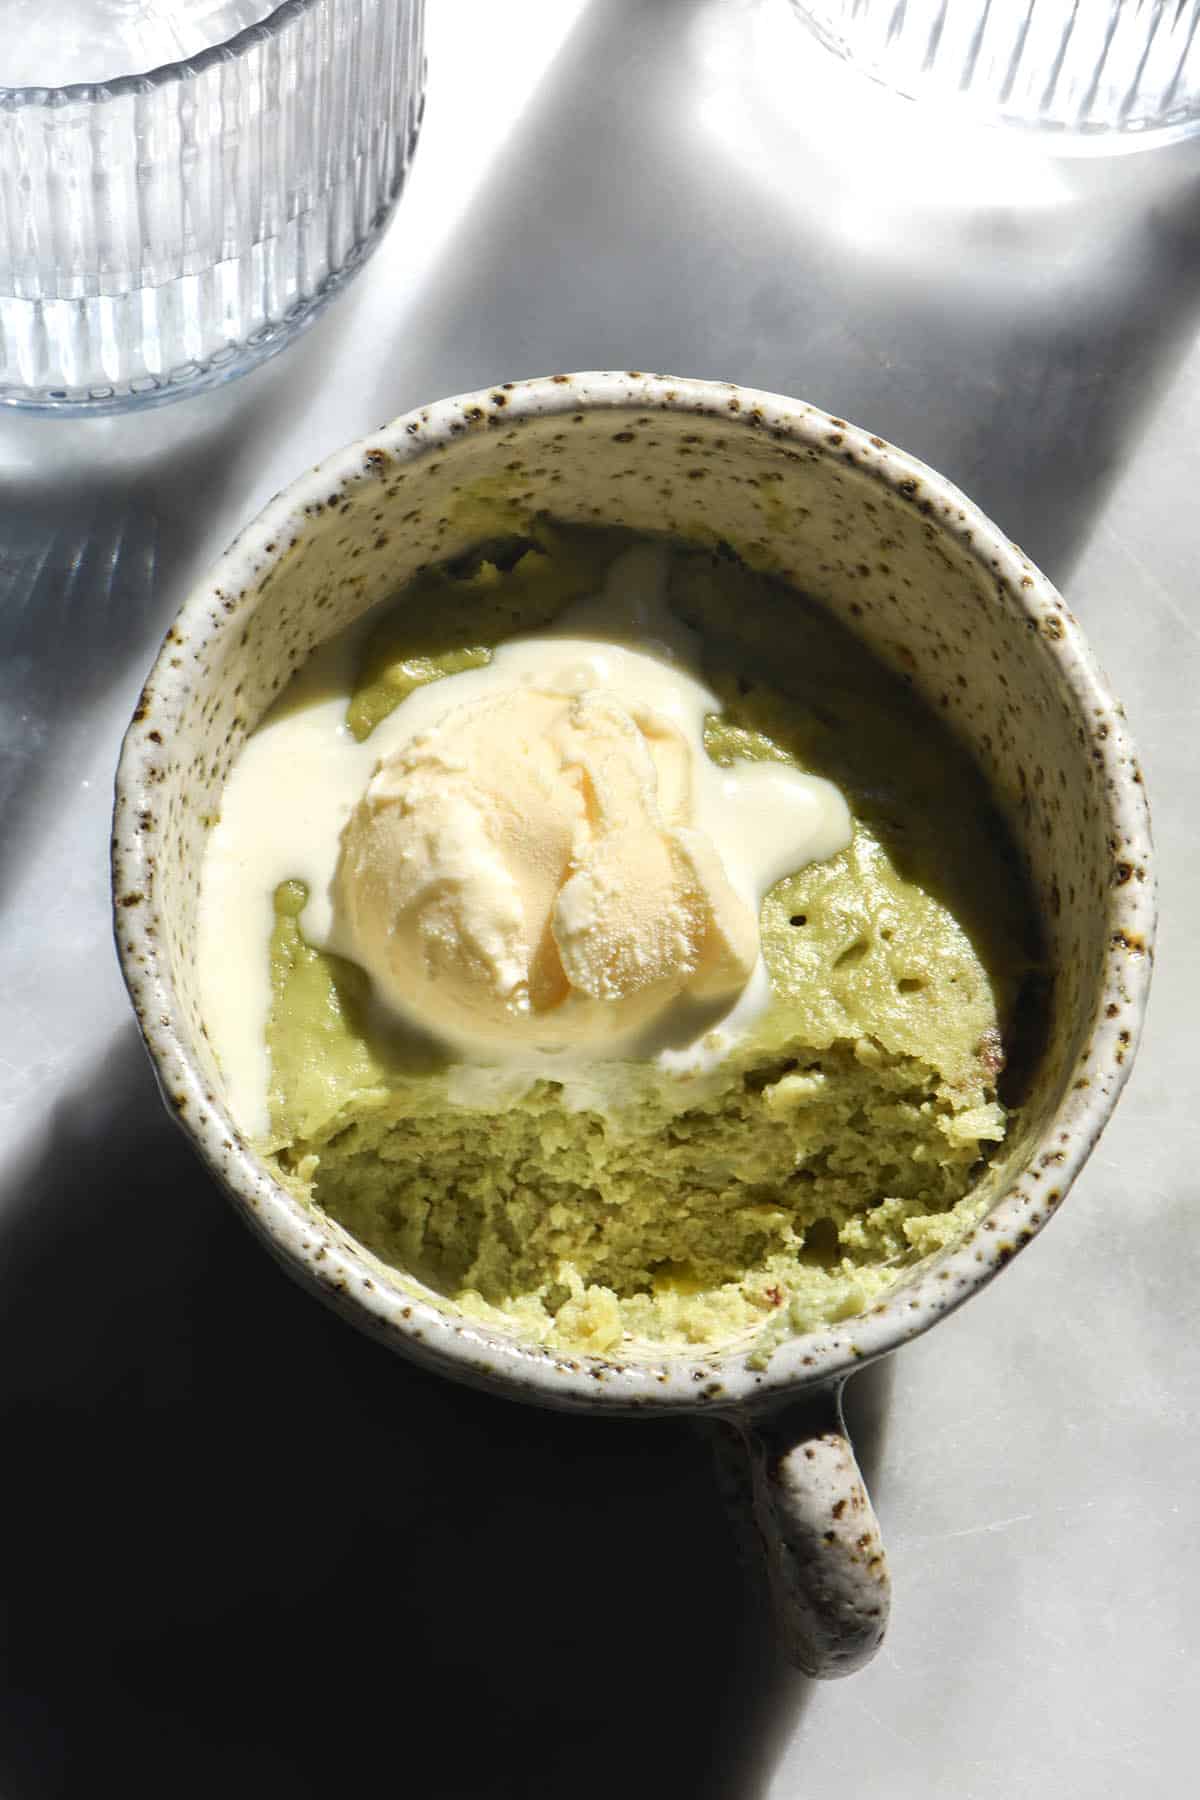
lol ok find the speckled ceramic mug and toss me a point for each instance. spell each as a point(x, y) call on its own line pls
point(917, 571)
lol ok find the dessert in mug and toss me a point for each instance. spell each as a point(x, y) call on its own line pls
point(606, 938)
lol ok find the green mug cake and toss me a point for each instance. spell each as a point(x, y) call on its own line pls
point(600, 933)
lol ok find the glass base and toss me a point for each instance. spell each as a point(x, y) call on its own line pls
point(225, 364)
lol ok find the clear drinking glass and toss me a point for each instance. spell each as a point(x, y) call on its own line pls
point(1105, 74)
point(183, 183)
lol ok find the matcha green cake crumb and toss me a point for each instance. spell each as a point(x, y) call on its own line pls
point(794, 1180)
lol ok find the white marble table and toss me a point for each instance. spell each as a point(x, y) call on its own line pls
point(463, 1598)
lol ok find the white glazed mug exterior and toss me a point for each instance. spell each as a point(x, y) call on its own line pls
point(896, 552)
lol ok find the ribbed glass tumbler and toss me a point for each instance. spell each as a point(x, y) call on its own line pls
point(160, 232)
point(1099, 74)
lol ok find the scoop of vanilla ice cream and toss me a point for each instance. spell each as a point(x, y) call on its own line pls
point(529, 870)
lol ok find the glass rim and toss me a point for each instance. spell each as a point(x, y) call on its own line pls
point(148, 81)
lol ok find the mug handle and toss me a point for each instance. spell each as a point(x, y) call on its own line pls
point(793, 1486)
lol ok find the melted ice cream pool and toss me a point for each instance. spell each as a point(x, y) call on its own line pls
point(302, 775)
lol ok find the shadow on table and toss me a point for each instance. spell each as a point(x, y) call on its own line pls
point(89, 552)
point(251, 1551)
point(104, 525)
point(702, 190)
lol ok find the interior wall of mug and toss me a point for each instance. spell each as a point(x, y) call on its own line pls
point(898, 564)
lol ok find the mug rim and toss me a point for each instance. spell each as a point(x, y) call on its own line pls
point(448, 1341)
